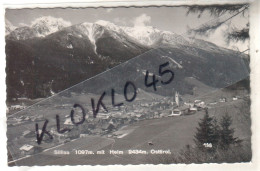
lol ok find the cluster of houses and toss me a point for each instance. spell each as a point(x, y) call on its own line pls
point(24, 119)
point(13, 121)
point(17, 107)
point(106, 123)
point(187, 108)
point(103, 124)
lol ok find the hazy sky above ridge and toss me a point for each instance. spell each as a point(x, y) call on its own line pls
point(174, 19)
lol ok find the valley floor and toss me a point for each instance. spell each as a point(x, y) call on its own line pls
point(167, 133)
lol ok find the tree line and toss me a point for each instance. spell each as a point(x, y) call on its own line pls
point(212, 136)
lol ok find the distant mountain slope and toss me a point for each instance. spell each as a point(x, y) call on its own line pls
point(38, 66)
point(50, 56)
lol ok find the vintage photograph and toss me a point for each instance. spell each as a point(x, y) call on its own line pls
point(128, 85)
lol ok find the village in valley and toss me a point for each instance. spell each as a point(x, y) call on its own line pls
point(106, 124)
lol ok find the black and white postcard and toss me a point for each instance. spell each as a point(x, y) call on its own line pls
point(128, 85)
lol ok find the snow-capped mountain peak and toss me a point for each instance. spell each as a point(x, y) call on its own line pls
point(46, 25)
point(40, 27)
point(144, 34)
point(90, 30)
point(109, 25)
point(9, 27)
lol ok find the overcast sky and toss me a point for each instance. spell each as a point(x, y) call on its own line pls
point(164, 18)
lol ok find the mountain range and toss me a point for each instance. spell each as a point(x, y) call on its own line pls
point(51, 55)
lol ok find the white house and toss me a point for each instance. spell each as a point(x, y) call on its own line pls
point(27, 149)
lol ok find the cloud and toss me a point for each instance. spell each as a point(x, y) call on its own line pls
point(142, 20)
point(217, 37)
point(109, 10)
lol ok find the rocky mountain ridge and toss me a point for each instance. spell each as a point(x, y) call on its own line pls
point(48, 57)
